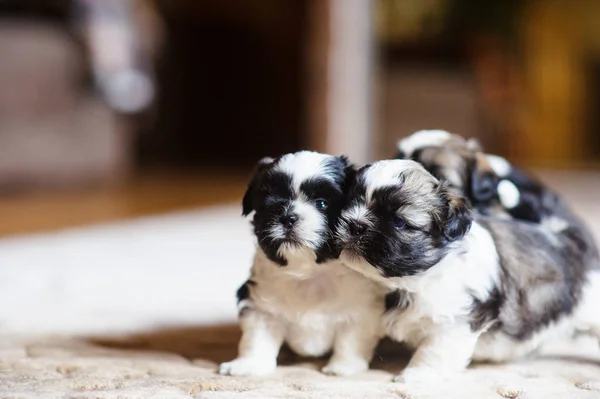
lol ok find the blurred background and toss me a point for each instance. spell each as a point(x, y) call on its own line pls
point(129, 129)
point(113, 109)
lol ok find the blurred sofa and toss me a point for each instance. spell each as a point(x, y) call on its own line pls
point(53, 132)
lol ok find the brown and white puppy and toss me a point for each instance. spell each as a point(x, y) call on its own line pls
point(298, 291)
point(461, 163)
point(462, 289)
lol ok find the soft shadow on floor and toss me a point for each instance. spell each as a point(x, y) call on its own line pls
point(573, 359)
point(218, 343)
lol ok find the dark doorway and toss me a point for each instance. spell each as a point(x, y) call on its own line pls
point(231, 84)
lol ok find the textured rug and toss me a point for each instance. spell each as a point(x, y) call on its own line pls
point(180, 363)
point(146, 309)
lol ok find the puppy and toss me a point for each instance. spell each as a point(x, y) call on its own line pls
point(298, 292)
point(489, 289)
point(491, 183)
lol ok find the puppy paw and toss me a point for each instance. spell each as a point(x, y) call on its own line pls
point(248, 366)
point(419, 375)
point(345, 366)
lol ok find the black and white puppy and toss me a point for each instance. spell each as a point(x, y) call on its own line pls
point(490, 289)
point(494, 186)
point(298, 291)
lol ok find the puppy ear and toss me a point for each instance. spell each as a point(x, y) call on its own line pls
point(484, 182)
point(459, 217)
point(259, 169)
point(345, 161)
point(349, 172)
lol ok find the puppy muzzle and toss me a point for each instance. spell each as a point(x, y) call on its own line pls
point(351, 235)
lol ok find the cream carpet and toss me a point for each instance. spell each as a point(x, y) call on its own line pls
point(146, 309)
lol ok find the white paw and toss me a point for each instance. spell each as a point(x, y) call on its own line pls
point(419, 375)
point(345, 366)
point(248, 366)
point(509, 194)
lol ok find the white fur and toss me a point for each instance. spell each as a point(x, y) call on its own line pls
point(314, 308)
point(423, 138)
point(587, 317)
point(311, 226)
point(387, 173)
point(438, 138)
point(443, 350)
point(501, 348)
point(499, 165)
point(508, 194)
point(358, 213)
point(277, 231)
point(311, 223)
point(303, 165)
point(257, 351)
point(443, 293)
point(554, 224)
point(435, 322)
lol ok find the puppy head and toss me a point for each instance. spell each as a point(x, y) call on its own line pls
point(433, 138)
point(451, 158)
point(297, 200)
point(399, 220)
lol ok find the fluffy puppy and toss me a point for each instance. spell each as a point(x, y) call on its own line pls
point(490, 289)
point(298, 292)
point(491, 183)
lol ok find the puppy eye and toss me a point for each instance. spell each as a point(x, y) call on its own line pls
point(398, 222)
point(321, 204)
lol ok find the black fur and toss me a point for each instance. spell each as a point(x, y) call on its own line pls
point(249, 200)
point(542, 271)
point(398, 253)
point(529, 208)
point(459, 216)
point(483, 187)
point(315, 189)
point(485, 313)
point(412, 249)
point(533, 197)
point(243, 293)
point(269, 198)
point(541, 280)
point(537, 202)
point(270, 193)
point(398, 299)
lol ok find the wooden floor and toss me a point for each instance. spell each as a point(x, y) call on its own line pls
point(140, 196)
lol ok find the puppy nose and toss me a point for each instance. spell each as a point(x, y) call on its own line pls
point(357, 229)
point(289, 220)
